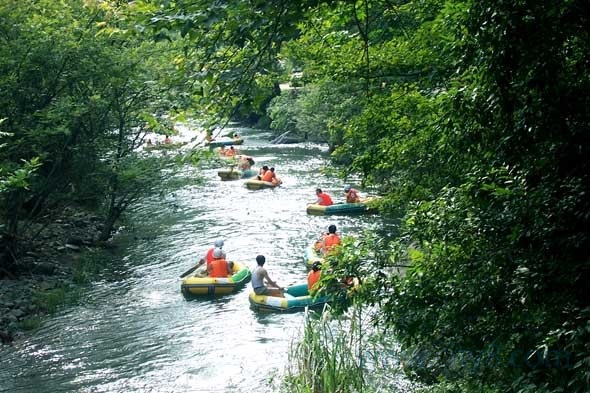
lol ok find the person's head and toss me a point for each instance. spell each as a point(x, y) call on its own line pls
point(260, 259)
point(218, 253)
point(251, 161)
point(317, 265)
point(272, 168)
point(332, 229)
point(231, 147)
point(318, 191)
point(218, 243)
point(347, 188)
point(265, 167)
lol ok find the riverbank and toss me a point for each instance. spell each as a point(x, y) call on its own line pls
point(51, 267)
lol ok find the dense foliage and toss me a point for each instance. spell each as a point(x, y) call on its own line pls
point(78, 86)
point(475, 121)
point(471, 116)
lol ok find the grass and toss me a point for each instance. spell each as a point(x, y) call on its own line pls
point(326, 359)
point(48, 301)
point(344, 356)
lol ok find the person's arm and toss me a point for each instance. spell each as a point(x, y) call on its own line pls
point(269, 281)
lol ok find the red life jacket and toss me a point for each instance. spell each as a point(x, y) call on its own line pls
point(326, 200)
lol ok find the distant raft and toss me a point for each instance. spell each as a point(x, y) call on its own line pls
point(217, 285)
point(363, 207)
point(296, 298)
point(253, 184)
point(311, 255)
point(225, 141)
point(235, 174)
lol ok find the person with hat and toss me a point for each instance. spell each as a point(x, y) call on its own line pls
point(219, 266)
point(208, 258)
point(352, 195)
point(262, 284)
point(313, 277)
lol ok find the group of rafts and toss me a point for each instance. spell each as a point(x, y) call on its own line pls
point(295, 297)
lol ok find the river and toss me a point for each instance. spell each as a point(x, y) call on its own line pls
point(133, 331)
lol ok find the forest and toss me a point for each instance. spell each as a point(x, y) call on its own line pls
point(470, 117)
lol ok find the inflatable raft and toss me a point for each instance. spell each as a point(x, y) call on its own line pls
point(253, 184)
point(217, 285)
point(311, 255)
point(225, 141)
point(296, 298)
point(235, 174)
point(342, 208)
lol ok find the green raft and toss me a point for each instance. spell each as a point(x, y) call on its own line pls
point(296, 298)
point(342, 209)
point(235, 174)
point(311, 255)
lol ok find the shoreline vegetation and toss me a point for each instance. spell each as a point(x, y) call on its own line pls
point(56, 262)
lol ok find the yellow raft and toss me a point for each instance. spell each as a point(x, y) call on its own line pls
point(217, 285)
point(254, 184)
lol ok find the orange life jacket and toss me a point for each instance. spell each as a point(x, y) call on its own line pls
point(218, 268)
point(312, 279)
point(326, 200)
point(352, 196)
point(330, 241)
point(268, 175)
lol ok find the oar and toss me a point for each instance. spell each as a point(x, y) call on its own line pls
point(192, 269)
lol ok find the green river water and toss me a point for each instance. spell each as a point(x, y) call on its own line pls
point(133, 331)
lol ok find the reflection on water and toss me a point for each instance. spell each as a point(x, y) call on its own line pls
point(134, 331)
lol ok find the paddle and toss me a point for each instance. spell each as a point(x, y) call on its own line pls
point(192, 269)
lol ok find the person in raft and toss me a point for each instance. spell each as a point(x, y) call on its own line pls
point(313, 277)
point(352, 195)
point(167, 140)
point(273, 177)
point(329, 241)
point(262, 172)
point(203, 264)
point(262, 283)
point(323, 198)
point(245, 163)
point(219, 267)
point(231, 152)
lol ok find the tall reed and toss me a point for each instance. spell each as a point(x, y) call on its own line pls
point(326, 359)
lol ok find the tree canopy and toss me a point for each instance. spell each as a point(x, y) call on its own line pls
point(470, 116)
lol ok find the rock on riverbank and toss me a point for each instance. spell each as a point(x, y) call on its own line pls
point(51, 248)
